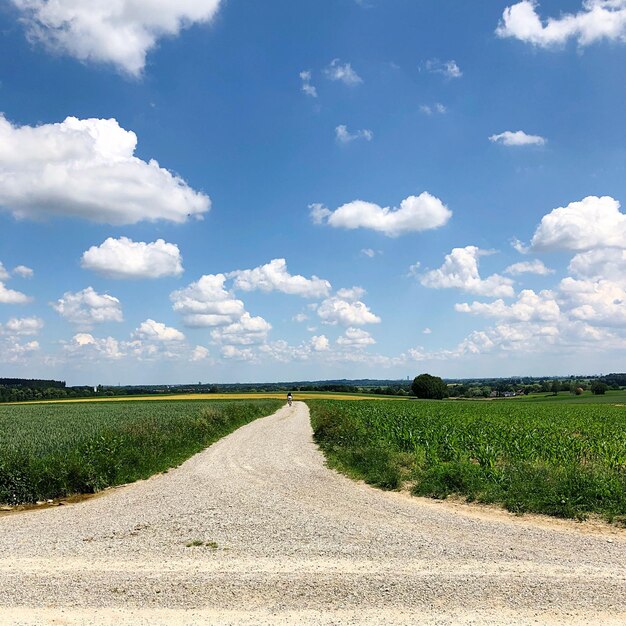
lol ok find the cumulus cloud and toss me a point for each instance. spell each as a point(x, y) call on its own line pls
point(607, 263)
point(346, 308)
point(119, 33)
point(598, 19)
point(199, 353)
point(239, 354)
point(124, 258)
point(460, 271)
point(591, 223)
point(320, 343)
point(23, 326)
point(355, 338)
point(87, 168)
point(207, 303)
point(517, 138)
point(307, 87)
point(343, 73)
point(343, 135)
point(428, 109)
point(4, 275)
point(10, 296)
point(157, 331)
point(87, 346)
point(529, 267)
point(23, 272)
point(416, 213)
point(449, 69)
point(87, 307)
point(247, 330)
point(14, 351)
point(274, 276)
point(596, 302)
point(530, 307)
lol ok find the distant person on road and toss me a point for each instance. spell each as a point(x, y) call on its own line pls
point(289, 398)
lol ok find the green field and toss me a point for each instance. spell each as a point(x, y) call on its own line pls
point(55, 450)
point(558, 458)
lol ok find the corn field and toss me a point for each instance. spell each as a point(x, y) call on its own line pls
point(563, 460)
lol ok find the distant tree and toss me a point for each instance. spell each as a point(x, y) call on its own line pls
point(598, 387)
point(429, 387)
point(555, 387)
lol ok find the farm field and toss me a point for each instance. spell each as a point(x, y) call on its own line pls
point(66, 448)
point(543, 457)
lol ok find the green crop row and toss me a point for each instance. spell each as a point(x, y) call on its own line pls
point(561, 460)
point(54, 450)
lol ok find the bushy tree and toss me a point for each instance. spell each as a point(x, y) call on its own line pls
point(598, 387)
point(429, 387)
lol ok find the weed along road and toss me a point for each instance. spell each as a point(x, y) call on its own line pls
point(256, 530)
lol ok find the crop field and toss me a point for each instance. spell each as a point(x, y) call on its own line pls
point(564, 460)
point(58, 449)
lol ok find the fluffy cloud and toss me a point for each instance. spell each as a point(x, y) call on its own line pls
point(598, 303)
point(156, 331)
point(207, 303)
point(199, 353)
point(239, 354)
point(530, 307)
point(416, 213)
point(87, 307)
point(307, 87)
point(23, 326)
point(449, 69)
point(607, 263)
point(343, 73)
point(343, 135)
point(428, 109)
point(246, 331)
point(345, 308)
point(87, 346)
point(460, 271)
point(13, 351)
point(517, 138)
point(124, 258)
point(274, 276)
point(320, 343)
point(591, 223)
point(4, 275)
point(23, 272)
point(10, 296)
point(86, 168)
point(598, 19)
point(120, 33)
point(355, 338)
point(529, 267)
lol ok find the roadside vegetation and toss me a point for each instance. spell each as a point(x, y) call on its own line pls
point(565, 460)
point(51, 451)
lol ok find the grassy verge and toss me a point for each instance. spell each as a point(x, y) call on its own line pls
point(546, 458)
point(55, 450)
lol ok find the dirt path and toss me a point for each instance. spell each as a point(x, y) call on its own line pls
point(295, 543)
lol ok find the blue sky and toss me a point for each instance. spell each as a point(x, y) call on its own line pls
point(219, 190)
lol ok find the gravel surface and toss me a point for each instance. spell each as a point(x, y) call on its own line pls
point(288, 541)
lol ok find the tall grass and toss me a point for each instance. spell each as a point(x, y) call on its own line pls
point(54, 450)
point(562, 460)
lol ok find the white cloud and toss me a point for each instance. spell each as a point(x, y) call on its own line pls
point(368, 252)
point(449, 69)
point(355, 338)
point(247, 330)
point(87, 169)
point(529, 267)
point(207, 303)
point(124, 258)
point(416, 213)
point(87, 307)
point(4, 275)
point(318, 213)
point(320, 343)
point(427, 331)
point(517, 138)
point(23, 326)
point(307, 87)
point(591, 223)
point(274, 276)
point(13, 351)
point(120, 33)
point(10, 296)
point(604, 263)
point(460, 271)
point(157, 331)
point(23, 272)
point(300, 317)
point(428, 109)
point(343, 135)
point(239, 354)
point(199, 353)
point(598, 19)
point(343, 73)
point(530, 307)
point(87, 346)
point(345, 308)
point(519, 246)
point(598, 303)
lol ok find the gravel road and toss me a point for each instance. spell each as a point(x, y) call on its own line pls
point(288, 541)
